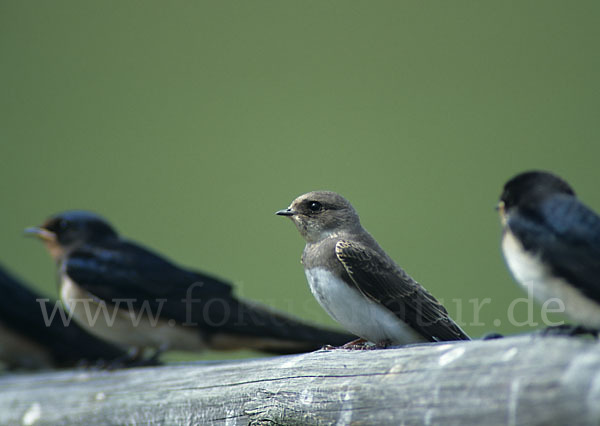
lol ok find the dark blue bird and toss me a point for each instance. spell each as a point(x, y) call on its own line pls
point(135, 298)
point(28, 339)
point(551, 243)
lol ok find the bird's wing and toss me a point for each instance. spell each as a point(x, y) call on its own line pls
point(28, 313)
point(568, 239)
point(126, 271)
point(384, 282)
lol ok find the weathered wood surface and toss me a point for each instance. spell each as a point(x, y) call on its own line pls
point(514, 381)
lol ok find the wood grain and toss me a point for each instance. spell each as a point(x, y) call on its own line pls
point(525, 380)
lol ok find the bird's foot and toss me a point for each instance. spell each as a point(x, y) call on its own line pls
point(492, 336)
point(363, 345)
point(328, 348)
point(569, 330)
point(134, 358)
point(359, 344)
point(382, 345)
point(100, 363)
point(355, 344)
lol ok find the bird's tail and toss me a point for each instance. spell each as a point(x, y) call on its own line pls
point(255, 326)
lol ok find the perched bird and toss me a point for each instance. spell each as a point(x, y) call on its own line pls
point(132, 297)
point(33, 334)
point(357, 283)
point(551, 243)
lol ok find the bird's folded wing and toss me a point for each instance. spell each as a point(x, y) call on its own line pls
point(384, 282)
point(131, 273)
point(567, 238)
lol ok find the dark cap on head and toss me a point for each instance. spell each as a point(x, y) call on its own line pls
point(532, 187)
point(75, 226)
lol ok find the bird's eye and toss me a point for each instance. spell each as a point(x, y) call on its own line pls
point(63, 224)
point(315, 206)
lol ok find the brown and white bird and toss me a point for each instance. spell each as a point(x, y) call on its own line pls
point(357, 283)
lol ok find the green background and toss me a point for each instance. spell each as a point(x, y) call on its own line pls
point(189, 123)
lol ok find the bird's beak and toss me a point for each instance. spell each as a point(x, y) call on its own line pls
point(41, 233)
point(500, 207)
point(285, 212)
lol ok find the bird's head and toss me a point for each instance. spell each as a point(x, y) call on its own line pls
point(66, 231)
point(528, 189)
point(319, 214)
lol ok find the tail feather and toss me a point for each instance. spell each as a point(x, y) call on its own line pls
point(263, 328)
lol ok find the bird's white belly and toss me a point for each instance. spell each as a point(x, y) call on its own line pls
point(535, 278)
point(355, 312)
point(125, 327)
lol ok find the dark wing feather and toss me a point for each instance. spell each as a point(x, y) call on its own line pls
point(384, 282)
point(21, 309)
point(566, 234)
point(123, 270)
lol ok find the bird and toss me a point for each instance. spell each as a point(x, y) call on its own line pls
point(35, 332)
point(135, 298)
point(357, 283)
point(551, 243)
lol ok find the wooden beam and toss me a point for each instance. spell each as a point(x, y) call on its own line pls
point(515, 381)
